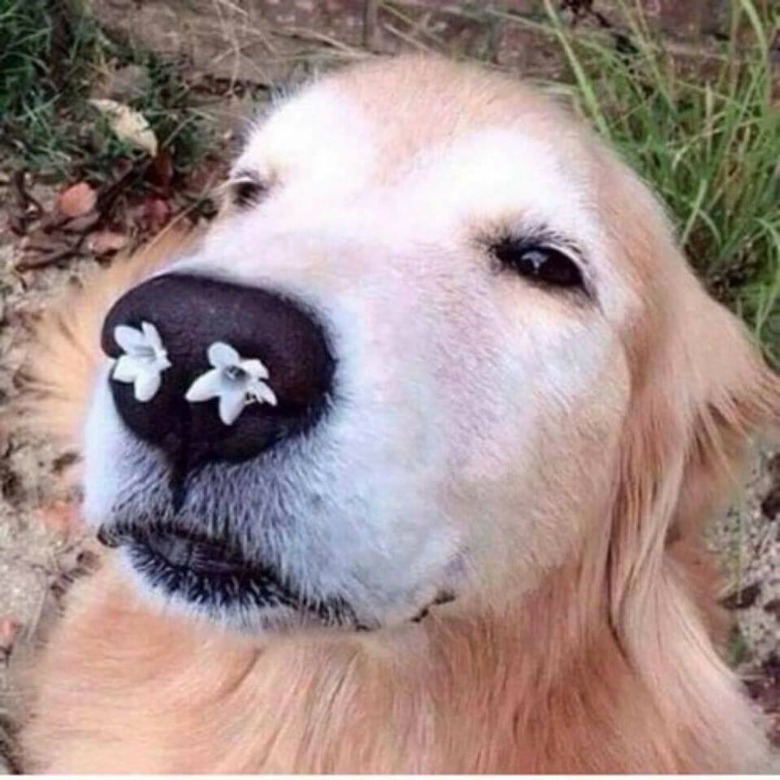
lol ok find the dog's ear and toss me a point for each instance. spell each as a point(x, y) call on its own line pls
point(700, 391)
point(57, 375)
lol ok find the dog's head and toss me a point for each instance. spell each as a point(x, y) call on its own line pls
point(438, 341)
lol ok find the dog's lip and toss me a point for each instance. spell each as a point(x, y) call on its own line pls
point(185, 549)
point(195, 566)
point(187, 554)
point(203, 556)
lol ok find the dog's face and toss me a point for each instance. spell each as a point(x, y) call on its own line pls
point(442, 277)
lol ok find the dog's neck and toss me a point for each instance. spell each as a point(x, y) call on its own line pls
point(518, 690)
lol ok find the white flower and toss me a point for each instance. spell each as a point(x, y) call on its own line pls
point(144, 360)
point(235, 381)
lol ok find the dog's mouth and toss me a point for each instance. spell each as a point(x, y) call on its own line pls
point(214, 574)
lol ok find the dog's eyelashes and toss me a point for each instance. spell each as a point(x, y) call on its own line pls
point(541, 263)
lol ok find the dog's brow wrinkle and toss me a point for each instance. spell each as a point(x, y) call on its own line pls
point(244, 173)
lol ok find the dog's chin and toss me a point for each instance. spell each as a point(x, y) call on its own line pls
point(211, 578)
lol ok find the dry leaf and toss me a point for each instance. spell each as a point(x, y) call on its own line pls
point(157, 212)
point(8, 630)
point(148, 216)
point(128, 124)
point(104, 242)
point(81, 224)
point(160, 173)
point(62, 517)
point(76, 201)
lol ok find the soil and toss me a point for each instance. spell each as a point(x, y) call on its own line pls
point(41, 547)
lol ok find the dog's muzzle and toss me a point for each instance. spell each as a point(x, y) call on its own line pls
point(210, 373)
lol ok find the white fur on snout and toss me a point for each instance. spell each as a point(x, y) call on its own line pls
point(102, 473)
point(119, 470)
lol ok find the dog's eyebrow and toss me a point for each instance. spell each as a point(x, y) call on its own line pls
point(244, 174)
point(551, 237)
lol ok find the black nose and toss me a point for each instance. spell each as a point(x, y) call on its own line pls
point(268, 379)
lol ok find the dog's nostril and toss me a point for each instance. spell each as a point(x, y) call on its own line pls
point(206, 369)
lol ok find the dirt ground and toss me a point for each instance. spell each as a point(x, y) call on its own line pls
point(41, 549)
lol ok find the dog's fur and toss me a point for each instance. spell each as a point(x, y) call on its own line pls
point(591, 652)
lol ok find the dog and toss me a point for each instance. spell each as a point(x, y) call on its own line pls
point(404, 463)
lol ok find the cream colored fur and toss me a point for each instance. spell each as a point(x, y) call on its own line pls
point(592, 654)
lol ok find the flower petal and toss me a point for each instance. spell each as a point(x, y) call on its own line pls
point(146, 385)
point(126, 369)
point(128, 338)
point(222, 355)
point(231, 405)
point(162, 362)
point(255, 368)
point(262, 392)
point(152, 336)
point(208, 385)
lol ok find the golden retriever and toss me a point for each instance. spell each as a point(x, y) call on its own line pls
point(405, 462)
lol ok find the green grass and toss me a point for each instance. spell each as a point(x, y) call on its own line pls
point(52, 53)
point(32, 42)
point(706, 138)
point(736, 650)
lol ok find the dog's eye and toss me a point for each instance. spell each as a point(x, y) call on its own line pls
point(540, 263)
point(247, 191)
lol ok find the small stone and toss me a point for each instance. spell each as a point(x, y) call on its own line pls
point(742, 598)
point(9, 628)
point(773, 607)
point(770, 506)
